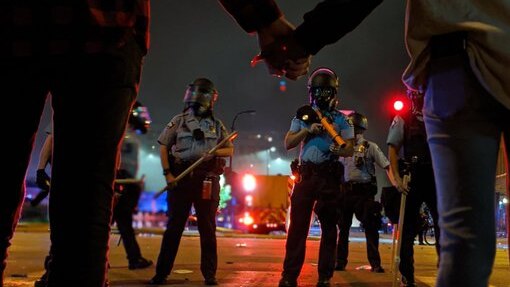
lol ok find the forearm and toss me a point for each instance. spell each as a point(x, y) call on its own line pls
point(45, 155)
point(393, 173)
point(294, 139)
point(330, 20)
point(252, 15)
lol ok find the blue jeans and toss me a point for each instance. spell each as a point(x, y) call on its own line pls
point(464, 125)
point(91, 99)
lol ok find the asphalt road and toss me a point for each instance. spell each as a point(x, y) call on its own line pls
point(243, 261)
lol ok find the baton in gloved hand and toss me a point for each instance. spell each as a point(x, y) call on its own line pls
point(396, 261)
point(329, 128)
point(231, 136)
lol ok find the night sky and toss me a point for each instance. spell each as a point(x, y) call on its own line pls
point(196, 38)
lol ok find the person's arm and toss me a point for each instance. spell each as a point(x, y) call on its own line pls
point(394, 175)
point(46, 151)
point(330, 20)
point(165, 163)
point(252, 15)
point(294, 138)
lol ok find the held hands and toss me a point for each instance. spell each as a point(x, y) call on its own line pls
point(42, 179)
point(280, 50)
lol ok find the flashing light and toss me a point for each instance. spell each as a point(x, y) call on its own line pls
point(247, 219)
point(398, 105)
point(248, 200)
point(283, 86)
point(505, 201)
point(293, 177)
point(249, 182)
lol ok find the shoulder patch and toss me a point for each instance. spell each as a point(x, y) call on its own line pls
point(170, 125)
point(349, 121)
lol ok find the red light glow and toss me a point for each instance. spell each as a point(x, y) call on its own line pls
point(249, 182)
point(398, 105)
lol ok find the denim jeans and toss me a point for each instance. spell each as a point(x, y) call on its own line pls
point(464, 125)
point(91, 98)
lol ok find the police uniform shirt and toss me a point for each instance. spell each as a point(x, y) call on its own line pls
point(129, 153)
point(178, 137)
point(396, 133)
point(361, 166)
point(315, 148)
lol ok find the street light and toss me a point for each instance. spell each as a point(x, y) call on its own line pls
point(232, 128)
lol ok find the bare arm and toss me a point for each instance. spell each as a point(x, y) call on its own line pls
point(393, 173)
point(46, 151)
point(165, 163)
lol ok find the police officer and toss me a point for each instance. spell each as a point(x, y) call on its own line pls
point(407, 133)
point(320, 175)
point(187, 137)
point(126, 194)
point(358, 193)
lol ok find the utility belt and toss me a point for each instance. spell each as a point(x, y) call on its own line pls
point(212, 168)
point(360, 188)
point(324, 169)
point(446, 45)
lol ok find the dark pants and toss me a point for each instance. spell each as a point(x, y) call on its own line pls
point(422, 190)
point(464, 126)
point(123, 216)
point(180, 199)
point(358, 199)
point(91, 99)
point(321, 190)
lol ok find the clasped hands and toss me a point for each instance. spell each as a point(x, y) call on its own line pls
point(280, 51)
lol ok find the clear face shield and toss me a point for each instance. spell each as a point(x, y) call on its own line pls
point(324, 97)
point(140, 119)
point(201, 99)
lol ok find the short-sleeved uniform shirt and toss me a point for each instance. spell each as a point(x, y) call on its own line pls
point(396, 133)
point(178, 137)
point(315, 148)
point(361, 166)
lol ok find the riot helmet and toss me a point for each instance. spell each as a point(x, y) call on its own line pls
point(200, 96)
point(323, 88)
point(359, 121)
point(139, 119)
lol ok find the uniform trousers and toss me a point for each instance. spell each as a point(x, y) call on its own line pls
point(358, 199)
point(422, 189)
point(321, 190)
point(188, 192)
point(123, 216)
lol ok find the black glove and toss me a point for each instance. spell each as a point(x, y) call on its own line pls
point(43, 180)
point(307, 115)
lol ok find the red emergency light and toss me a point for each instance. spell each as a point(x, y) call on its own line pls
point(249, 182)
point(398, 105)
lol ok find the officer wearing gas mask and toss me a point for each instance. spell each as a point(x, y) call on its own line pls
point(407, 134)
point(319, 177)
point(126, 194)
point(189, 136)
point(358, 193)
